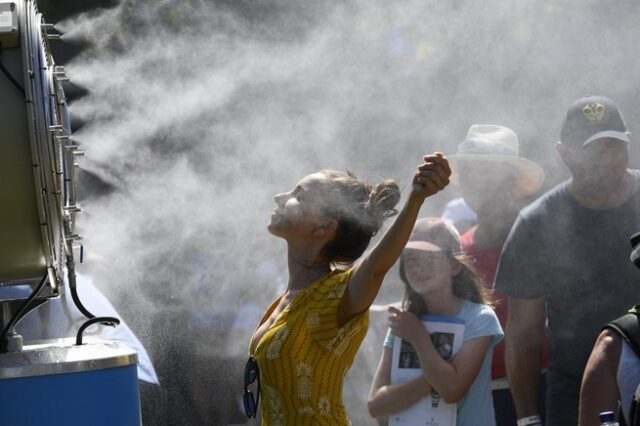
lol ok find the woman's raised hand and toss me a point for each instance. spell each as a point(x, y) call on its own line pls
point(432, 175)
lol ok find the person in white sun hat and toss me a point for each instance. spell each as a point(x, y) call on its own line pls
point(495, 182)
point(564, 265)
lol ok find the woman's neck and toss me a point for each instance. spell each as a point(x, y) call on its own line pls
point(305, 267)
point(306, 263)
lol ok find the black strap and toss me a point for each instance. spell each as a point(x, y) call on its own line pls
point(628, 327)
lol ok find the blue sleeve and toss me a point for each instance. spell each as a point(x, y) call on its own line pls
point(389, 339)
point(483, 322)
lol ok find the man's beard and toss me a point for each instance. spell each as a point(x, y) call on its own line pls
point(598, 185)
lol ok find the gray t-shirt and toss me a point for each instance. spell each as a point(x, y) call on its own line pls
point(577, 259)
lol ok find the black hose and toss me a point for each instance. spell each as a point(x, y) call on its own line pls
point(11, 78)
point(110, 321)
point(77, 302)
point(14, 319)
point(71, 275)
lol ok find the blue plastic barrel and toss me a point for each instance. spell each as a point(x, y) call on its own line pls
point(58, 383)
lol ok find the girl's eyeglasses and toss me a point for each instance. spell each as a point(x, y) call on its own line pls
point(251, 374)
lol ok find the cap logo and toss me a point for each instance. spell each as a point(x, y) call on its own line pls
point(593, 111)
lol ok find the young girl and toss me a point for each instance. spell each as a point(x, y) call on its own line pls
point(439, 282)
point(307, 339)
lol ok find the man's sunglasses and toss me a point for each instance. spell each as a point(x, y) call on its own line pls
point(251, 374)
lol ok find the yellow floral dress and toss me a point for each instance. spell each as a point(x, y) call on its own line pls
point(304, 356)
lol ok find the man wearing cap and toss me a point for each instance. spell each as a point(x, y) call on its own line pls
point(563, 262)
point(496, 183)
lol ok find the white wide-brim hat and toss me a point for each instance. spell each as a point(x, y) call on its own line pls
point(494, 143)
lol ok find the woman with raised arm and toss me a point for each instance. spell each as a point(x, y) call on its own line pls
point(307, 339)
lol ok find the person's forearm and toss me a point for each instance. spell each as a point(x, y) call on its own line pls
point(451, 378)
point(430, 177)
point(391, 399)
point(598, 394)
point(366, 280)
point(440, 373)
point(388, 249)
point(599, 390)
point(523, 348)
point(523, 371)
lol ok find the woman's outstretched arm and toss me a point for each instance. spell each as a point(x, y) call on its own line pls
point(431, 177)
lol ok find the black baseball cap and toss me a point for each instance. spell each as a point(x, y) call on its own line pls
point(591, 118)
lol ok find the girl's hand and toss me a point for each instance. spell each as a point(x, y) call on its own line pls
point(432, 175)
point(406, 325)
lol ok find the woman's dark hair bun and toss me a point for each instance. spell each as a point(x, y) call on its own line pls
point(360, 210)
point(382, 201)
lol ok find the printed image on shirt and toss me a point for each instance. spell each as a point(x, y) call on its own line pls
point(443, 343)
point(408, 356)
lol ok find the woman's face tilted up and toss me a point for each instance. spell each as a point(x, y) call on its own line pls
point(299, 212)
